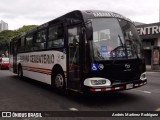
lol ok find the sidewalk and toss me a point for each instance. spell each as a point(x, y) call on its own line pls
point(148, 69)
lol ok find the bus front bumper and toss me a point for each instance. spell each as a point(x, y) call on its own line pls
point(118, 87)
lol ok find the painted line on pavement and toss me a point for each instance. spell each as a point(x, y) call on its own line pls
point(143, 91)
point(158, 109)
point(151, 72)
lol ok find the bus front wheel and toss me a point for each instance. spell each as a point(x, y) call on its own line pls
point(59, 81)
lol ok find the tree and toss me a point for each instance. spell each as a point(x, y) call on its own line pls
point(7, 35)
point(25, 28)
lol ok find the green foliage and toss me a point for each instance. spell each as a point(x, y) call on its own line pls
point(25, 28)
point(7, 35)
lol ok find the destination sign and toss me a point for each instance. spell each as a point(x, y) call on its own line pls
point(110, 14)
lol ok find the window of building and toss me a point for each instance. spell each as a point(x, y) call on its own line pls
point(56, 36)
point(40, 42)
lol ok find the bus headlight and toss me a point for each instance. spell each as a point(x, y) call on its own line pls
point(143, 76)
point(98, 82)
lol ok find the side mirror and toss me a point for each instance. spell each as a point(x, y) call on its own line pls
point(89, 31)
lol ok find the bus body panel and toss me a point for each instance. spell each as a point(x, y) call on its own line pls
point(39, 65)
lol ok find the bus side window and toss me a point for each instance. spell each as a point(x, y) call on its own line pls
point(29, 43)
point(73, 42)
point(40, 41)
point(21, 44)
point(56, 36)
point(73, 36)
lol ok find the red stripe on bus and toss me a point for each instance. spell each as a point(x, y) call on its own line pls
point(112, 88)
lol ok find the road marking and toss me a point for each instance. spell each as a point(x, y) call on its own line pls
point(73, 109)
point(158, 109)
point(151, 72)
point(143, 91)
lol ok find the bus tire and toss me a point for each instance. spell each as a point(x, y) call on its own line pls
point(58, 81)
point(20, 71)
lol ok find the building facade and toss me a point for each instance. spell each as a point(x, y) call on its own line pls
point(150, 36)
point(3, 25)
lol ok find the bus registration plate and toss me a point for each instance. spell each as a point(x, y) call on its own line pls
point(129, 86)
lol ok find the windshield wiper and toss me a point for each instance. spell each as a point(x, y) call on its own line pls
point(135, 51)
point(124, 47)
point(120, 40)
point(133, 48)
point(99, 55)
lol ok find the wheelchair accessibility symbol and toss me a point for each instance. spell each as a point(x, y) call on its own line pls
point(94, 67)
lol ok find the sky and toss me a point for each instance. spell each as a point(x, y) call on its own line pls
point(36, 12)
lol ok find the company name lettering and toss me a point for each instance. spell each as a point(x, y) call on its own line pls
point(43, 58)
point(149, 30)
point(109, 14)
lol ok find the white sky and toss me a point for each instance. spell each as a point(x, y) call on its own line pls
point(35, 12)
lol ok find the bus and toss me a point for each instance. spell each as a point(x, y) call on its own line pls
point(83, 51)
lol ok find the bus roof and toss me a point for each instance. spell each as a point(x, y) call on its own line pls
point(82, 16)
point(77, 16)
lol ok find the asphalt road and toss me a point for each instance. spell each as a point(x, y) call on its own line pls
point(29, 95)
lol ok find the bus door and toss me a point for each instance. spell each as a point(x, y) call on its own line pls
point(14, 56)
point(74, 55)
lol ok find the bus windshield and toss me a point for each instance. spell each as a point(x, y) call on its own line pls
point(115, 39)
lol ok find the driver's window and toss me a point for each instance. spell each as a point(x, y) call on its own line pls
point(73, 36)
point(73, 41)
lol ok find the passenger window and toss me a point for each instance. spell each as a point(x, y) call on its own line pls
point(29, 43)
point(40, 42)
point(21, 44)
point(56, 36)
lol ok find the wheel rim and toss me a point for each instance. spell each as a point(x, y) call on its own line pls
point(59, 81)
